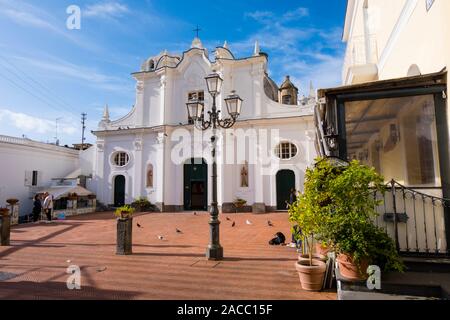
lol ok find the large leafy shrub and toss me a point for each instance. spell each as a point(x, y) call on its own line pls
point(338, 208)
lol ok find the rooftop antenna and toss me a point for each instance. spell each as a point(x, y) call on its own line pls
point(56, 131)
point(83, 128)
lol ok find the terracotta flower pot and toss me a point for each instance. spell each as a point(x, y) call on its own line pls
point(311, 277)
point(319, 257)
point(350, 270)
point(12, 201)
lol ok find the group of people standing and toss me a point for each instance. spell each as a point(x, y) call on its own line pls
point(43, 203)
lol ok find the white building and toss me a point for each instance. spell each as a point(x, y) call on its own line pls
point(26, 166)
point(392, 112)
point(137, 156)
point(394, 39)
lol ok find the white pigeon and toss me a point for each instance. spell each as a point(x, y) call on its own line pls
point(249, 222)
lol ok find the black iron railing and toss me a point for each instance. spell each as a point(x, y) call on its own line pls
point(414, 220)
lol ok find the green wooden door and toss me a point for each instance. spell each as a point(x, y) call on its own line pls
point(196, 185)
point(285, 183)
point(119, 191)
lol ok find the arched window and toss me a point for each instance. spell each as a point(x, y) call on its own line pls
point(151, 65)
point(286, 150)
point(150, 176)
point(121, 159)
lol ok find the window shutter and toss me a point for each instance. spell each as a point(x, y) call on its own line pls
point(40, 174)
point(28, 178)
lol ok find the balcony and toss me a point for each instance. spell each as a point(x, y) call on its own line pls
point(361, 58)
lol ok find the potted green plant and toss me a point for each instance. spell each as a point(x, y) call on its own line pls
point(124, 229)
point(239, 203)
point(142, 204)
point(308, 214)
point(348, 222)
point(5, 227)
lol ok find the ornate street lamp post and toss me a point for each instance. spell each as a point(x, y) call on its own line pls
point(196, 110)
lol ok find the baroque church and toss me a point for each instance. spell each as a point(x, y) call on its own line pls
point(144, 153)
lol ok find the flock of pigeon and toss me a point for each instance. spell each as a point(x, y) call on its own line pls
point(233, 224)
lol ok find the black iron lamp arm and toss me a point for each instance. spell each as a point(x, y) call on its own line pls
point(215, 121)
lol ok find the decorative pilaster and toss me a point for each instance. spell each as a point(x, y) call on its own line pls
point(159, 168)
point(138, 167)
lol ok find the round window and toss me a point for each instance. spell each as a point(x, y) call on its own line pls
point(121, 159)
point(286, 150)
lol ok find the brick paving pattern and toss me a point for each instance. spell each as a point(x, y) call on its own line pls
point(34, 267)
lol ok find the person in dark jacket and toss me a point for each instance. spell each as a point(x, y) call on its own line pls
point(37, 208)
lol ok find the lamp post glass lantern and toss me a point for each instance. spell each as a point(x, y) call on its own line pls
point(195, 110)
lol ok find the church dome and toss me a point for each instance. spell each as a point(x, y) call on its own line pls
point(270, 88)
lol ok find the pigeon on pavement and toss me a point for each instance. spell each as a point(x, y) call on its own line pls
point(179, 231)
point(234, 223)
point(139, 226)
point(160, 237)
point(248, 222)
point(228, 219)
point(269, 223)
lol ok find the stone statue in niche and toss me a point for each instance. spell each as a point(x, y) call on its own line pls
point(244, 175)
point(150, 177)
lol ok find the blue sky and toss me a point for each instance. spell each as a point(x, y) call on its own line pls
point(49, 72)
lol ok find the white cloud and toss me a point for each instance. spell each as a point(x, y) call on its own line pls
point(261, 16)
point(296, 14)
point(306, 54)
point(25, 14)
point(269, 17)
point(66, 69)
point(105, 10)
point(32, 124)
point(27, 18)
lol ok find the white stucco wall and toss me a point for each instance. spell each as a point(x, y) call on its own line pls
point(406, 34)
point(19, 155)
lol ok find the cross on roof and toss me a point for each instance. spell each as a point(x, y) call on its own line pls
point(196, 30)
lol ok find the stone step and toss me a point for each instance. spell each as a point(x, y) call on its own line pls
point(428, 265)
point(401, 286)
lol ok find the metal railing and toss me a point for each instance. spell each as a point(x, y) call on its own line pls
point(414, 220)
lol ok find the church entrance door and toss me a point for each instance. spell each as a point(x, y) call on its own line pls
point(285, 183)
point(119, 191)
point(196, 185)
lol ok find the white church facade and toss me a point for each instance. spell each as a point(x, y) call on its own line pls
point(154, 151)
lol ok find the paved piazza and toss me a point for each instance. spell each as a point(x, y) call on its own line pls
point(34, 267)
